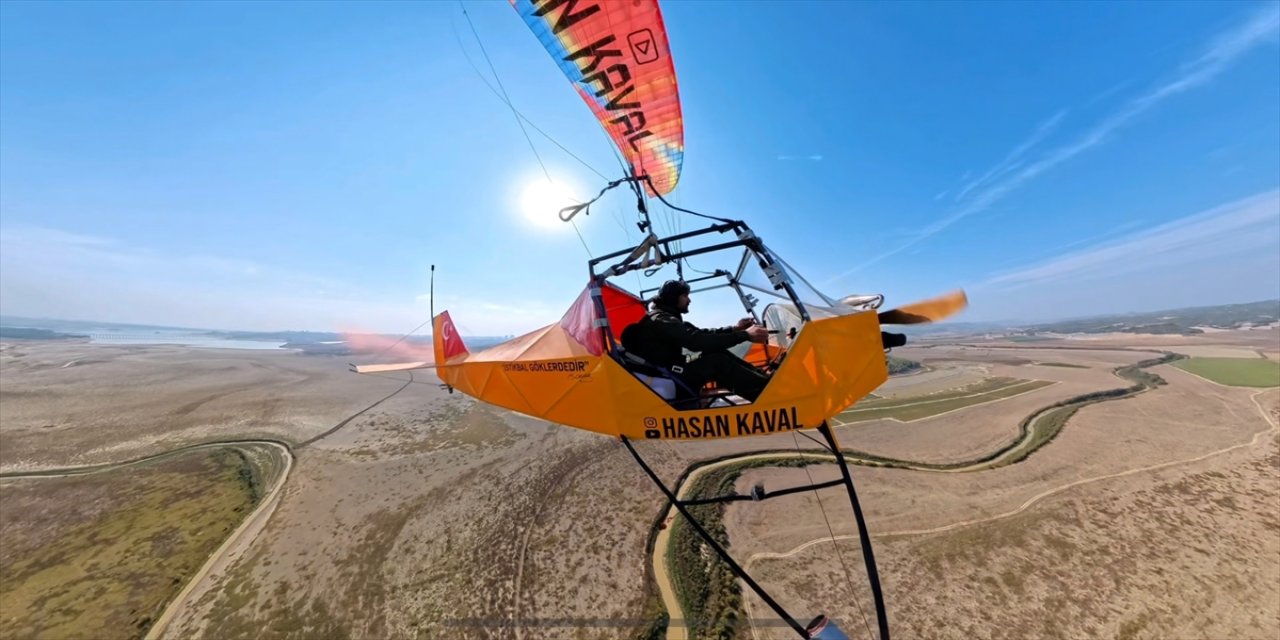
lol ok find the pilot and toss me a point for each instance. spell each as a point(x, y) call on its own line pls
point(666, 335)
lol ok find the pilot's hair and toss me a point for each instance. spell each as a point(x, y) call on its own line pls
point(670, 292)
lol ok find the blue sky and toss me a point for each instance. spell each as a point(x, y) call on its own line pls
point(300, 166)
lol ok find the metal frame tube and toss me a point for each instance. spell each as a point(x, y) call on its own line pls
point(706, 537)
point(869, 556)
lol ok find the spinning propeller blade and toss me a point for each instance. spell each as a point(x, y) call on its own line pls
point(931, 310)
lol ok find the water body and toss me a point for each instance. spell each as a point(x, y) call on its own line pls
point(179, 338)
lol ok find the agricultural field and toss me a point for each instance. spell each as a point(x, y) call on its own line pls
point(106, 566)
point(1235, 372)
point(931, 379)
point(916, 408)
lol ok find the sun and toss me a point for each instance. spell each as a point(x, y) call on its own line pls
point(542, 200)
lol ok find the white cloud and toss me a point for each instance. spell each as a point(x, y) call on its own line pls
point(1250, 224)
point(1013, 159)
point(1225, 48)
point(54, 273)
point(1010, 173)
point(1110, 233)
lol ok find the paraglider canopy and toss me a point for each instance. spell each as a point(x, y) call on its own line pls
point(617, 57)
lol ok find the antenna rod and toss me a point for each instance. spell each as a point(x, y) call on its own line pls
point(432, 303)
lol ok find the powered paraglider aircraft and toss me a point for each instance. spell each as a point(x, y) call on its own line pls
point(823, 355)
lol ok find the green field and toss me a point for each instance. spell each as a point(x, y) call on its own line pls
point(99, 556)
point(1235, 372)
point(915, 408)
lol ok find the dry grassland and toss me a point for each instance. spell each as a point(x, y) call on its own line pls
point(1083, 539)
point(426, 516)
point(1202, 351)
point(1192, 554)
point(968, 434)
point(78, 404)
point(432, 516)
point(1186, 418)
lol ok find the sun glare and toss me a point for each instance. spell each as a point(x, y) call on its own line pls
point(541, 202)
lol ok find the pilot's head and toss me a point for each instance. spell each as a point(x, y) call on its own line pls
point(674, 295)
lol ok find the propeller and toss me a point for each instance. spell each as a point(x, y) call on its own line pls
point(931, 310)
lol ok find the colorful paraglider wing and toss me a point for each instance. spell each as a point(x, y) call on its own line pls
point(616, 55)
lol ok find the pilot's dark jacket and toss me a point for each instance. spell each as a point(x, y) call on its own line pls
point(664, 335)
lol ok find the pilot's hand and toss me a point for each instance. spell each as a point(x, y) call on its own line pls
point(744, 323)
point(757, 334)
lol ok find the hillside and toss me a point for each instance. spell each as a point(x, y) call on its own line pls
point(1186, 321)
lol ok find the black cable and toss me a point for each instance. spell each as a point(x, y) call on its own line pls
point(520, 115)
point(664, 201)
point(821, 444)
point(516, 115)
